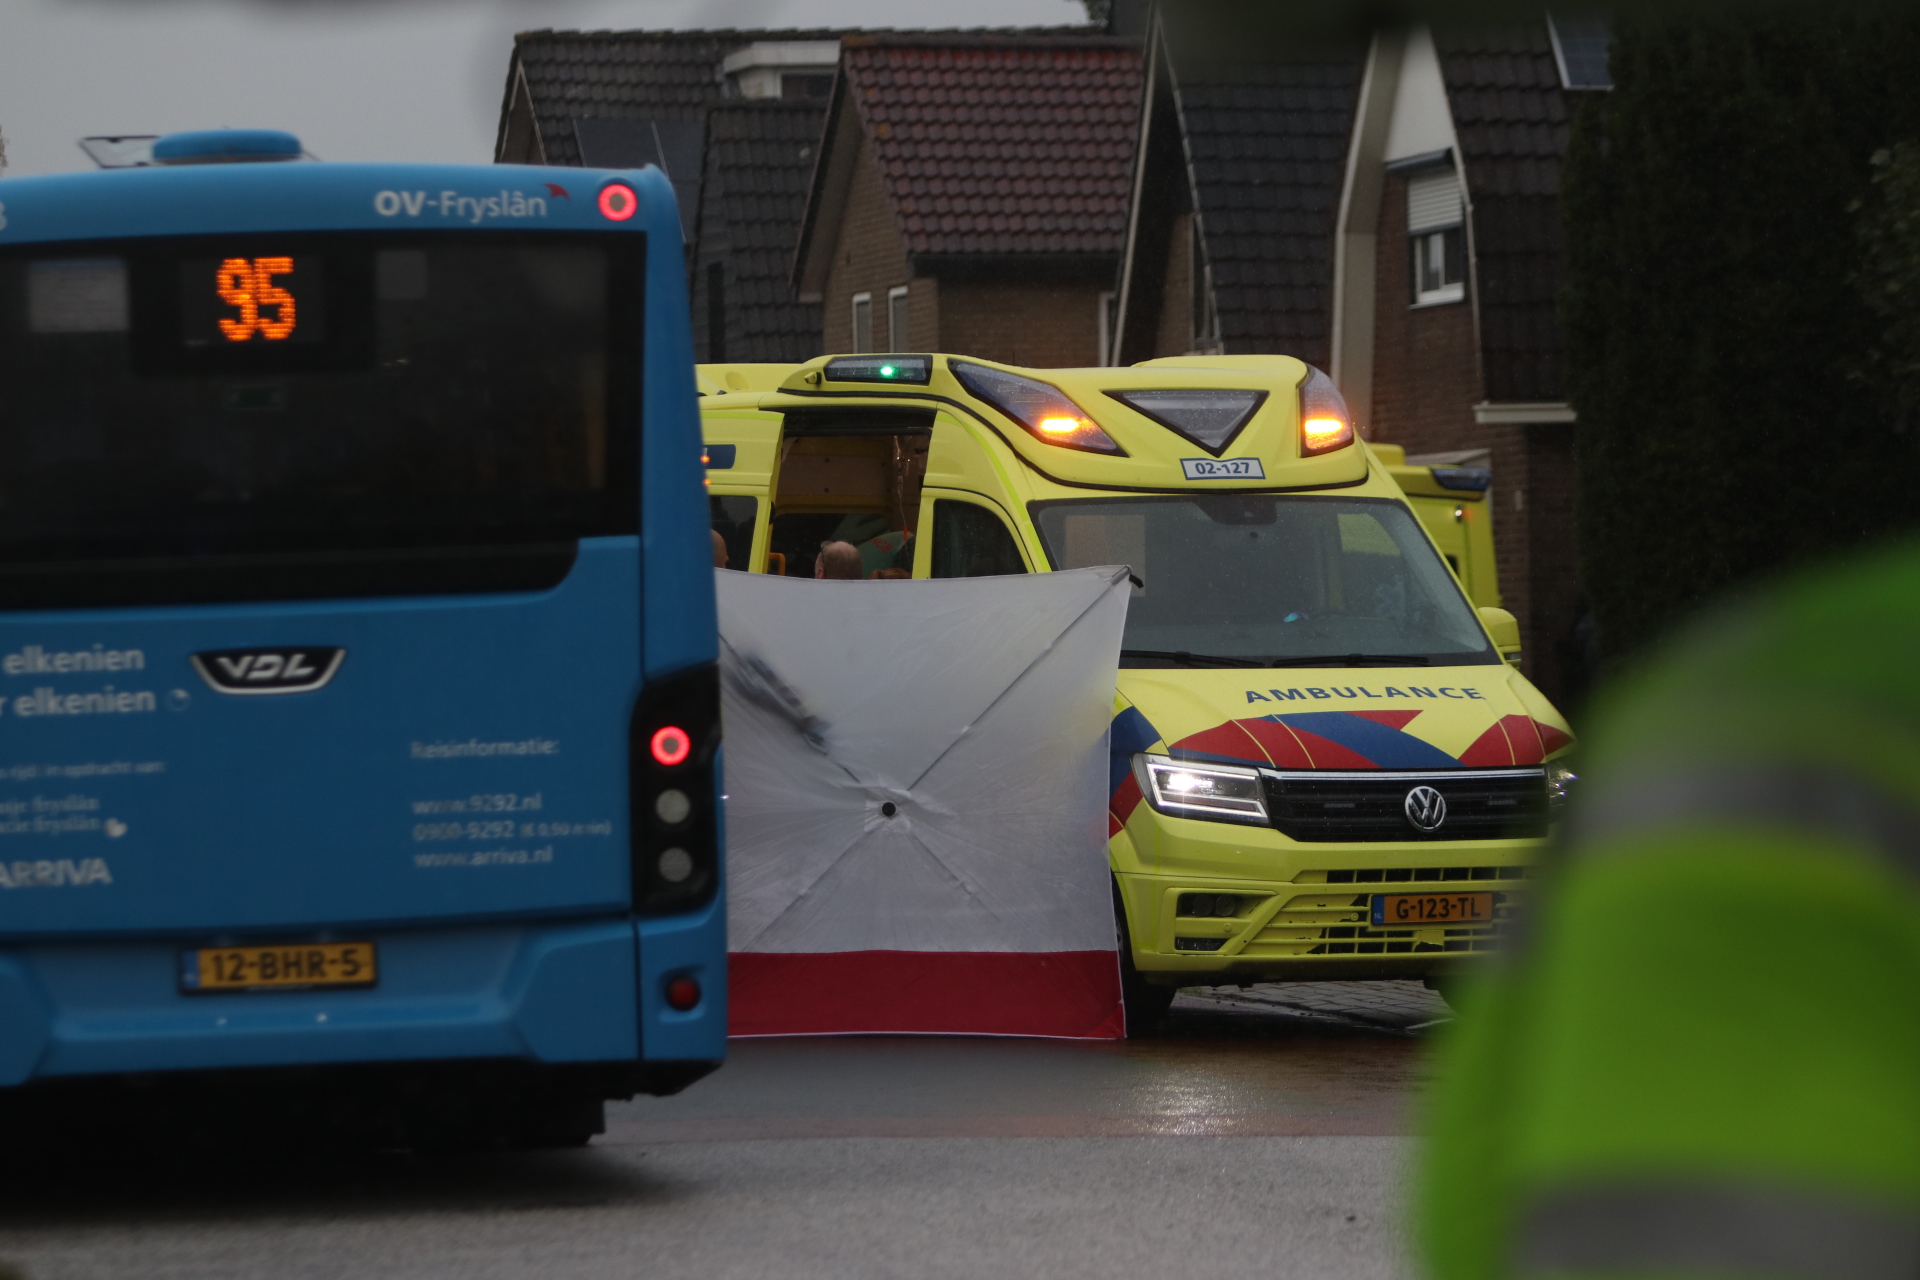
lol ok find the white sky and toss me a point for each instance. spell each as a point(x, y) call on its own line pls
point(356, 79)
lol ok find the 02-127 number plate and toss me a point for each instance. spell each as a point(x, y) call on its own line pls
point(1222, 469)
point(278, 968)
point(1432, 908)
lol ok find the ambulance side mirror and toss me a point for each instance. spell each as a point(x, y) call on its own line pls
point(1505, 630)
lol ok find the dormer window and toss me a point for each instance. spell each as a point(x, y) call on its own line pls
point(1436, 230)
point(782, 69)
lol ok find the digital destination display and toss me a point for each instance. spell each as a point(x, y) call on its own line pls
point(252, 300)
point(246, 285)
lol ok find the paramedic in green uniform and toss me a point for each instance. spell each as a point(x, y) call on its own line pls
point(1702, 1057)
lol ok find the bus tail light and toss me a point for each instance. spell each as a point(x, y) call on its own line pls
point(670, 745)
point(618, 202)
point(1325, 424)
point(674, 795)
point(682, 993)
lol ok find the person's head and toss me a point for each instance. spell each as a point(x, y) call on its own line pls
point(719, 550)
point(889, 575)
point(837, 560)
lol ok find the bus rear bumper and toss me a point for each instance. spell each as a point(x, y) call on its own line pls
point(551, 993)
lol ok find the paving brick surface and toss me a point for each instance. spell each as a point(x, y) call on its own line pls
point(1399, 1006)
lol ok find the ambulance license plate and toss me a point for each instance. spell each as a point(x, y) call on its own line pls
point(1432, 908)
point(278, 968)
point(1222, 469)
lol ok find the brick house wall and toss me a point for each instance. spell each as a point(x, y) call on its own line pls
point(1042, 319)
point(871, 257)
point(1174, 334)
point(1045, 323)
point(1426, 360)
point(1426, 382)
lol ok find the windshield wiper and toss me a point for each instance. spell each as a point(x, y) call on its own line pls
point(1357, 660)
point(1193, 659)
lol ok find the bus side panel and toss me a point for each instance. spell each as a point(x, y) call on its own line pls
point(678, 623)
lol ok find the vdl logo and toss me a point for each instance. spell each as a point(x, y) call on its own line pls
point(1426, 808)
point(292, 669)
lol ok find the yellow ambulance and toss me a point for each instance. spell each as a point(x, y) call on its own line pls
point(1325, 762)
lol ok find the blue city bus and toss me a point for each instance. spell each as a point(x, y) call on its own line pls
point(359, 719)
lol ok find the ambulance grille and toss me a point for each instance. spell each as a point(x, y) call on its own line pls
point(1332, 807)
point(1320, 925)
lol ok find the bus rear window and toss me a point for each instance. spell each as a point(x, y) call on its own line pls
point(262, 394)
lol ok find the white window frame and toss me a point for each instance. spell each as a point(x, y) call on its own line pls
point(898, 337)
point(1453, 292)
point(861, 343)
point(1434, 210)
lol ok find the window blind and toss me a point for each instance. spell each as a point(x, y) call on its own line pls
point(1433, 201)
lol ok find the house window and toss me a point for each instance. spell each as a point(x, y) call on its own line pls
point(862, 322)
point(1436, 230)
point(1581, 47)
point(897, 319)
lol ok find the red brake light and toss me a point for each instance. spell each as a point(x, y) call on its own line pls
point(618, 202)
point(671, 745)
point(683, 993)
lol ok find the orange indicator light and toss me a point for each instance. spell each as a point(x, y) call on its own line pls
point(1060, 426)
point(1324, 433)
point(246, 284)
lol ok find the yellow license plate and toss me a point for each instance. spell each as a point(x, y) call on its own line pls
point(276, 968)
point(1432, 908)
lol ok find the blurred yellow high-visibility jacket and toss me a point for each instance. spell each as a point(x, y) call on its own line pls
point(1702, 1057)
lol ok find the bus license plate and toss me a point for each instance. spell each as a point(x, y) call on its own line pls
point(1432, 908)
point(306, 964)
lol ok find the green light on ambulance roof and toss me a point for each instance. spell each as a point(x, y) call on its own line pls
point(890, 368)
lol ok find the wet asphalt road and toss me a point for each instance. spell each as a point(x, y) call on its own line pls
point(1262, 1135)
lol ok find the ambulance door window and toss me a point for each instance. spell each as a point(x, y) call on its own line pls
point(970, 541)
point(732, 516)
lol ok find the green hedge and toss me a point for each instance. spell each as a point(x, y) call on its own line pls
point(1739, 290)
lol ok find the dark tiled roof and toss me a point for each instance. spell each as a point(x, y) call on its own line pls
point(1512, 119)
point(1267, 145)
point(1004, 146)
point(759, 161)
point(626, 75)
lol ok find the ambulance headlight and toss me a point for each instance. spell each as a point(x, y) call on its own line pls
point(1560, 783)
point(1219, 792)
point(1043, 409)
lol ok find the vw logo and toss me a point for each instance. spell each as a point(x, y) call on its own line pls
point(1426, 808)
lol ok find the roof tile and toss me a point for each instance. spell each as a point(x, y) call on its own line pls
point(1513, 120)
point(1003, 147)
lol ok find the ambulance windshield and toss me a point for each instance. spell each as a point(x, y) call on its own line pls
point(1257, 579)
